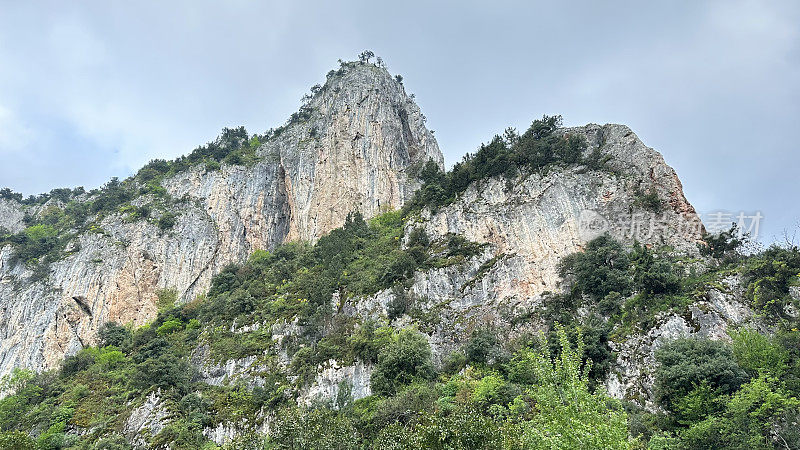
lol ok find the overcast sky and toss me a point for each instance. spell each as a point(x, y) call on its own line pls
point(94, 89)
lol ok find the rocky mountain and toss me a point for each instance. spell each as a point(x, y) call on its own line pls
point(352, 146)
point(328, 285)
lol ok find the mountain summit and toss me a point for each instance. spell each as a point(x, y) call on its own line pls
point(328, 285)
point(353, 146)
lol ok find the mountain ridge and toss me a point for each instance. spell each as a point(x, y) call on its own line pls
point(329, 285)
point(358, 135)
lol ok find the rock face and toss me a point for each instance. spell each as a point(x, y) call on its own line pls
point(633, 376)
point(146, 420)
point(11, 216)
point(352, 148)
point(537, 220)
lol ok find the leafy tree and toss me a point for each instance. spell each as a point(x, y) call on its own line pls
point(758, 416)
point(320, 429)
point(602, 268)
point(406, 358)
point(164, 371)
point(653, 276)
point(649, 200)
point(462, 429)
point(481, 346)
point(686, 363)
point(16, 440)
point(769, 276)
point(568, 414)
point(77, 363)
point(365, 56)
point(723, 246)
point(111, 333)
point(759, 354)
point(167, 221)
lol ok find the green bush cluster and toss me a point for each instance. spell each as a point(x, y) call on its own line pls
point(628, 285)
point(723, 246)
point(719, 396)
point(232, 146)
point(540, 148)
point(534, 401)
point(770, 275)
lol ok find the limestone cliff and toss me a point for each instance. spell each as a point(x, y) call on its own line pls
point(351, 147)
point(355, 145)
point(527, 226)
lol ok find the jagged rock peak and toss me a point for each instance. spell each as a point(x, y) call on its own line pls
point(355, 140)
point(354, 145)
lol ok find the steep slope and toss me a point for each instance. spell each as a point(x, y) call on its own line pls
point(351, 147)
point(486, 307)
point(543, 218)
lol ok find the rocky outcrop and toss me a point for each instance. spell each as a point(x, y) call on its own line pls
point(11, 216)
point(145, 421)
point(634, 373)
point(527, 225)
point(352, 148)
point(338, 386)
point(536, 220)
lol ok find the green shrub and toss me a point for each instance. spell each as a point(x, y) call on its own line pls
point(759, 354)
point(320, 429)
point(769, 276)
point(166, 298)
point(409, 404)
point(482, 346)
point(406, 358)
point(77, 363)
point(648, 200)
point(723, 246)
point(16, 440)
point(462, 429)
point(111, 333)
point(454, 362)
point(653, 276)
point(170, 326)
point(602, 268)
point(166, 221)
point(166, 371)
point(568, 414)
point(113, 442)
point(686, 363)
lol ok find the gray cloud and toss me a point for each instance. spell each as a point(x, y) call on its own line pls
point(96, 90)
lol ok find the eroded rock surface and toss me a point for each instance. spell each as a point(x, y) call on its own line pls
point(353, 149)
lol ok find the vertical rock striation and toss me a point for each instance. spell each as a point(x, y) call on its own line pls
point(352, 146)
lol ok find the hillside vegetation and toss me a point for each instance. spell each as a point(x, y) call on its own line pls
point(293, 311)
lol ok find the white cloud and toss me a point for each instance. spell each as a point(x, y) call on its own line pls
point(15, 136)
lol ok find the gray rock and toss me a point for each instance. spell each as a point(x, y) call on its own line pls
point(354, 151)
point(146, 421)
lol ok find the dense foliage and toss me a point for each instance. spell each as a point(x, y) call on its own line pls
point(291, 311)
point(496, 399)
point(538, 149)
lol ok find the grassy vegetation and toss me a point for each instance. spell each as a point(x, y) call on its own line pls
point(491, 392)
point(714, 394)
point(288, 309)
point(539, 149)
